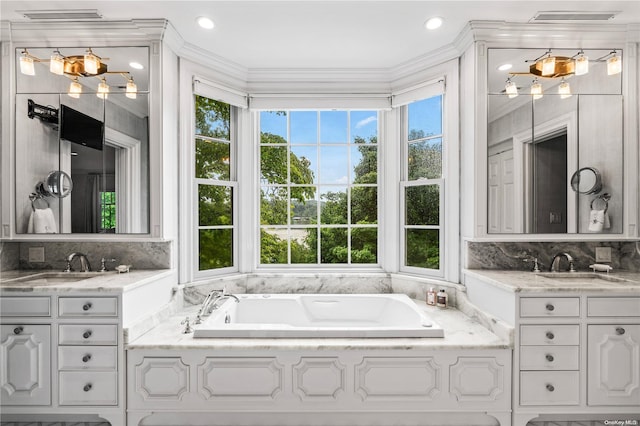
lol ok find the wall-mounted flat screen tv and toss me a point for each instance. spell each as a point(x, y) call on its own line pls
point(79, 128)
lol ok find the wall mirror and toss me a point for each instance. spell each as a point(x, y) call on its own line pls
point(90, 125)
point(543, 129)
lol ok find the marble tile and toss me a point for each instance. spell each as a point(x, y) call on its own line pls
point(625, 255)
point(141, 255)
point(9, 256)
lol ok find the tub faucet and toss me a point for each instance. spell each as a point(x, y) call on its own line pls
point(555, 262)
point(85, 266)
point(210, 303)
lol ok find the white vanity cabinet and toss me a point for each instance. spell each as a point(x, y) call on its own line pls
point(613, 341)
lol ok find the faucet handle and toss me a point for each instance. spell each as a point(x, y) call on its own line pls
point(571, 266)
point(68, 268)
point(103, 266)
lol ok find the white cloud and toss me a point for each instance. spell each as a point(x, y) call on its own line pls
point(366, 121)
point(342, 180)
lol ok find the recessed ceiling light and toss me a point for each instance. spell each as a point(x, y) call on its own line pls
point(136, 65)
point(205, 22)
point(505, 67)
point(433, 23)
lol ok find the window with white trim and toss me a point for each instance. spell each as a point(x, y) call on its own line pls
point(318, 187)
point(422, 186)
point(215, 184)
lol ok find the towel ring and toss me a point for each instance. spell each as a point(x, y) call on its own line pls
point(604, 199)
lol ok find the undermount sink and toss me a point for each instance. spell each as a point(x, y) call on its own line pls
point(57, 277)
point(590, 277)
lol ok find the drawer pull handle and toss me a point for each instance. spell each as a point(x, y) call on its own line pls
point(86, 334)
point(549, 357)
point(87, 387)
point(550, 307)
point(86, 358)
point(550, 388)
point(620, 331)
point(86, 306)
point(18, 330)
point(550, 335)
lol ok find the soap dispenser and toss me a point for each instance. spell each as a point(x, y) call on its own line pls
point(431, 297)
point(441, 299)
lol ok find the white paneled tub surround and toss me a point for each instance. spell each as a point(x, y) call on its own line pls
point(463, 378)
point(318, 315)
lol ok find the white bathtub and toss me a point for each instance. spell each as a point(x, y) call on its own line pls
point(318, 315)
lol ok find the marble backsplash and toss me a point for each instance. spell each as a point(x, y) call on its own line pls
point(519, 255)
point(140, 255)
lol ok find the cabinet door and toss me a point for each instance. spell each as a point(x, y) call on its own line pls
point(614, 364)
point(25, 376)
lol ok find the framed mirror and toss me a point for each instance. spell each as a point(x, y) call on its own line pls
point(537, 141)
point(91, 128)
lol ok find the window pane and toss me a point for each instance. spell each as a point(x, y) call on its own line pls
point(364, 160)
point(425, 159)
point(304, 245)
point(333, 207)
point(304, 205)
point(422, 248)
point(334, 164)
point(364, 126)
point(425, 118)
point(422, 205)
point(304, 126)
point(273, 164)
point(333, 127)
point(364, 204)
point(215, 248)
point(364, 245)
point(304, 165)
point(273, 127)
point(273, 246)
point(213, 160)
point(213, 118)
point(274, 205)
point(333, 245)
point(215, 205)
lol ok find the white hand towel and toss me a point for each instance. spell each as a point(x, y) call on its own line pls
point(607, 223)
point(596, 220)
point(42, 221)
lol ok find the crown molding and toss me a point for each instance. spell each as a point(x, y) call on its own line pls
point(107, 33)
point(204, 58)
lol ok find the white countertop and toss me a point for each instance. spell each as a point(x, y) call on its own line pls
point(460, 332)
point(532, 282)
point(101, 282)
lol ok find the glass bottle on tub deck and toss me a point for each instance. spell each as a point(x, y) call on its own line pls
point(431, 297)
point(442, 299)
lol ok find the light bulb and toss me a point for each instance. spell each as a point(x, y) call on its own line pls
point(536, 89)
point(548, 65)
point(614, 64)
point(132, 89)
point(103, 89)
point(91, 63)
point(75, 89)
point(564, 90)
point(56, 64)
point(582, 64)
point(26, 64)
point(511, 89)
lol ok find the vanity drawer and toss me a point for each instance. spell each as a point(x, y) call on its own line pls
point(25, 306)
point(549, 357)
point(88, 388)
point(91, 334)
point(87, 357)
point(561, 335)
point(88, 306)
point(549, 388)
point(549, 307)
point(613, 306)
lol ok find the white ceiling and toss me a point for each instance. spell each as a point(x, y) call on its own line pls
point(333, 34)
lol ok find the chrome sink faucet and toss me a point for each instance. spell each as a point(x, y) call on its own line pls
point(85, 266)
point(555, 262)
point(210, 302)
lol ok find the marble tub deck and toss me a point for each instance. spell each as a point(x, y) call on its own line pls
point(460, 332)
